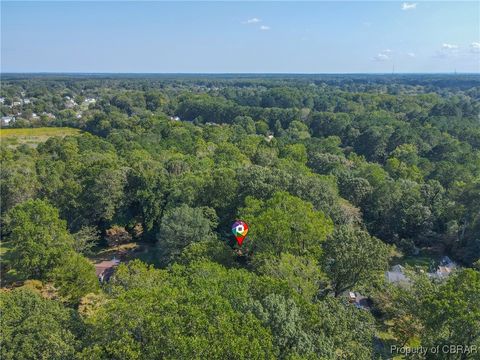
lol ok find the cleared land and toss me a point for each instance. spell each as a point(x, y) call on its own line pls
point(33, 136)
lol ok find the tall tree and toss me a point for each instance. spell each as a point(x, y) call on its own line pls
point(352, 257)
point(39, 238)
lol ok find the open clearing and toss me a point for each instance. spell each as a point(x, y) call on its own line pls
point(33, 136)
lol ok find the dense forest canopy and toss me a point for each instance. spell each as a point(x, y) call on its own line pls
point(339, 177)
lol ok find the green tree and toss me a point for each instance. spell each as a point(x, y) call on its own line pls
point(180, 227)
point(352, 257)
point(451, 314)
point(302, 273)
point(283, 317)
point(35, 328)
point(39, 238)
point(285, 223)
point(192, 314)
point(85, 239)
point(75, 277)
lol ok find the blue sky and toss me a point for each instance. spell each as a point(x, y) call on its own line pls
point(219, 37)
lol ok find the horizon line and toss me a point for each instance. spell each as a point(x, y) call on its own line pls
point(230, 73)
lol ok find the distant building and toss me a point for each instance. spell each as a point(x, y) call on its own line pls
point(70, 103)
point(444, 269)
point(90, 101)
point(105, 269)
point(26, 101)
point(360, 301)
point(2, 100)
point(6, 120)
point(49, 115)
point(396, 275)
point(16, 103)
point(174, 118)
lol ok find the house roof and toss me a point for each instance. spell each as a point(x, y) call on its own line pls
point(395, 276)
point(101, 267)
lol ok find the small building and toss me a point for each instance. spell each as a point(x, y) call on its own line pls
point(2, 100)
point(105, 269)
point(174, 118)
point(89, 101)
point(70, 104)
point(6, 120)
point(444, 269)
point(26, 101)
point(49, 115)
point(396, 275)
point(360, 301)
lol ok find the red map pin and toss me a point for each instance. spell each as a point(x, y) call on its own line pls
point(240, 230)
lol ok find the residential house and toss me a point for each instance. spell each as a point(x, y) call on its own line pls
point(6, 120)
point(396, 275)
point(105, 269)
point(70, 103)
point(445, 268)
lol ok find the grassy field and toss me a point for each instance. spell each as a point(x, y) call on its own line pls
point(33, 136)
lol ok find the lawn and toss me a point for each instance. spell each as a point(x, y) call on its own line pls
point(33, 136)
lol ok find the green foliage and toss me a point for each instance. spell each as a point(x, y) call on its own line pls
point(285, 223)
point(85, 239)
point(172, 319)
point(39, 238)
point(451, 314)
point(302, 274)
point(35, 328)
point(180, 227)
point(325, 170)
point(352, 257)
point(75, 277)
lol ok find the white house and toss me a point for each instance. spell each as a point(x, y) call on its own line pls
point(6, 120)
point(396, 275)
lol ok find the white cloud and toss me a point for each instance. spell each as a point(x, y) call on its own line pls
point(475, 47)
point(264, 27)
point(409, 6)
point(381, 57)
point(449, 46)
point(253, 21)
point(411, 54)
point(447, 51)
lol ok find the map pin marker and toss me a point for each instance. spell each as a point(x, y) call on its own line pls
point(240, 230)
